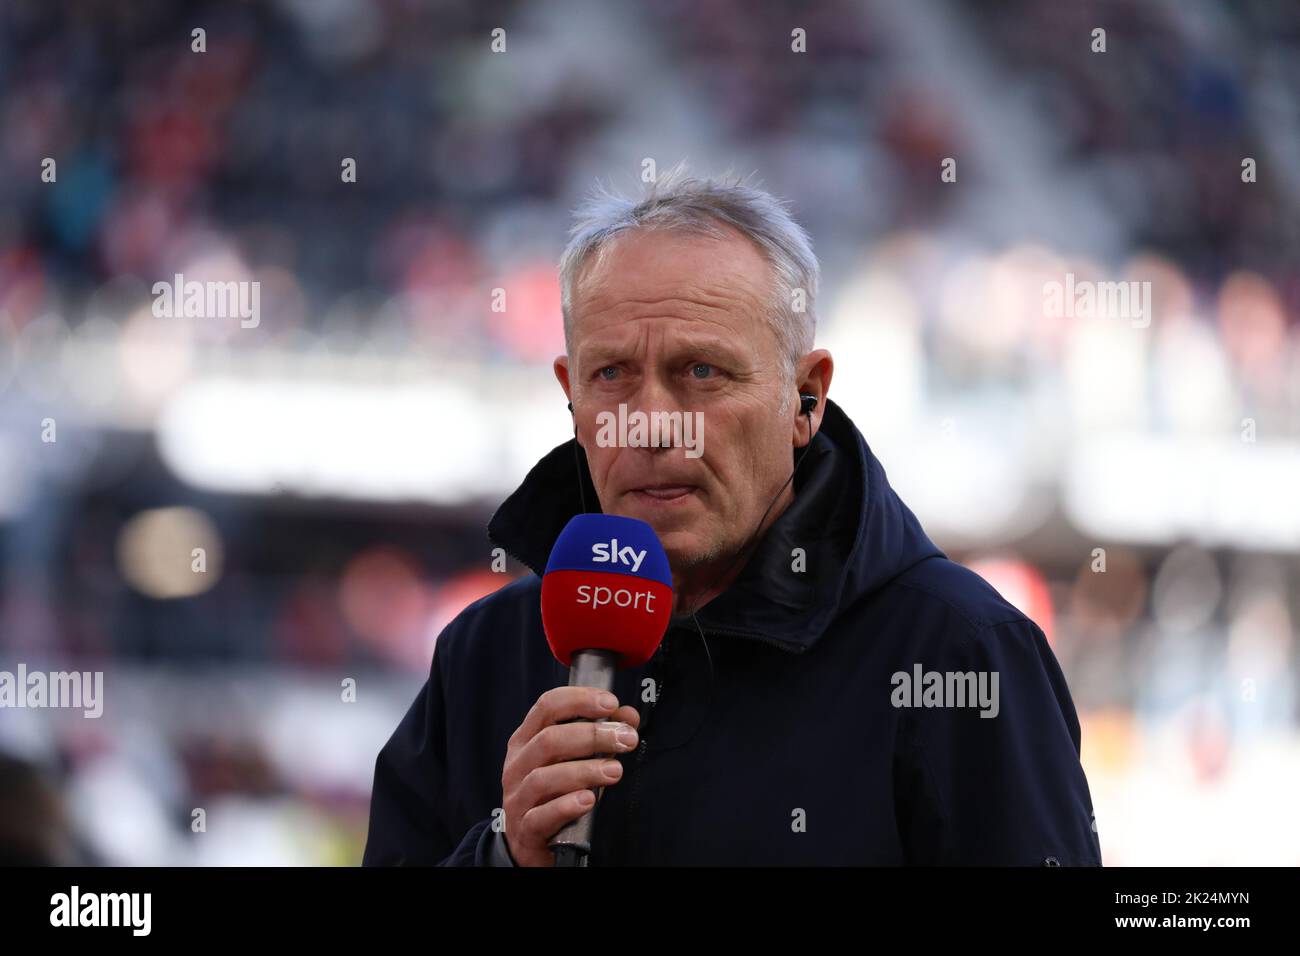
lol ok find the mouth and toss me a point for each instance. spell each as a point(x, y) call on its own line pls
point(663, 493)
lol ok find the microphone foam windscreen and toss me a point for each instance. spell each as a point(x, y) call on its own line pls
point(607, 586)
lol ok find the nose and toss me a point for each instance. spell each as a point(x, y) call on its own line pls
point(653, 396)
point(652, 393)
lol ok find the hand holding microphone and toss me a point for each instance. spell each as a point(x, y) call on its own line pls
point(606, 601)
point(551, 770)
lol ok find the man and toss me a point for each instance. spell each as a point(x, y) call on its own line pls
point(831, 690)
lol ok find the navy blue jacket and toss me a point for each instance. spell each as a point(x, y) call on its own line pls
point(786, 732)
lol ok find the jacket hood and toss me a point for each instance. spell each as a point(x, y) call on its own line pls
point(854, 532)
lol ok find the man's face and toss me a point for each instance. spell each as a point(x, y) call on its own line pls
point(675, 323)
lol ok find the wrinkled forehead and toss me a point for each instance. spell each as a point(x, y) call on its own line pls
point(649, 273)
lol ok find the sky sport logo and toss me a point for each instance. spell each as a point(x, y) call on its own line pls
point(923, 688)
point(651, 430)
point(600, 595)
point(607, 580)
point(611, 553)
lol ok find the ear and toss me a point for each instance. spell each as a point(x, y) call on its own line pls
point(813, 377)
point(561, 369)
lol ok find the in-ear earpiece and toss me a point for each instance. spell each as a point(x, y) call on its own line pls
point(570, 407)
point(807, 403)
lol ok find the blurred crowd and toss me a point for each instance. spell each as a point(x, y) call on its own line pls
point(1131, 486)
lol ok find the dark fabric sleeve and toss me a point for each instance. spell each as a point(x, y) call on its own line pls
point(408, 803)
point(1006, 790)
point(499, 852)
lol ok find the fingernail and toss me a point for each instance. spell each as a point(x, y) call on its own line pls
point(607, 701)
point(626, 736)
point(611, 768)
point(586, 798)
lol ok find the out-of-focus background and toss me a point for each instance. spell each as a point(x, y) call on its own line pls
point(1133, 485)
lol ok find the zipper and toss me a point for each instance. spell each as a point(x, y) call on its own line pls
point(638, 764)
point(633, 802)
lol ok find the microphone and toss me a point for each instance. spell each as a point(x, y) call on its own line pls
point(607, 596)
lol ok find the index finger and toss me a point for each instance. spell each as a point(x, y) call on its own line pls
point(565, 703)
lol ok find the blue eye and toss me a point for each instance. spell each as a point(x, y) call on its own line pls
point(701, 370)
point(608, 372)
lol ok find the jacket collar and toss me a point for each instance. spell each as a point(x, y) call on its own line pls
point(845, 535)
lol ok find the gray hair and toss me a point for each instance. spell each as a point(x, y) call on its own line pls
point(679, 201)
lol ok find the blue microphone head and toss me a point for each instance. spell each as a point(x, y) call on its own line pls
point(610, 543)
